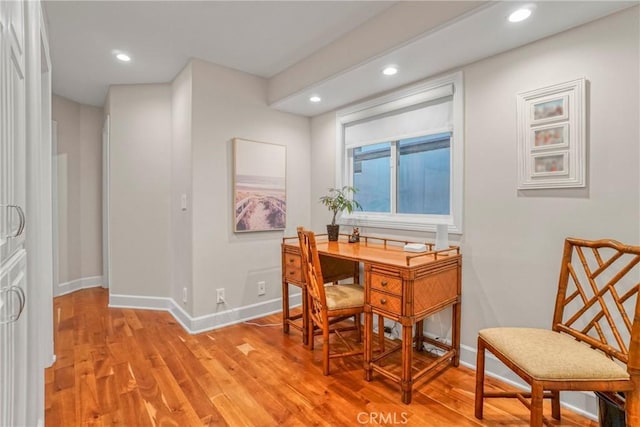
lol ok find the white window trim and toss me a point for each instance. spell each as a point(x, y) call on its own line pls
point(412, 95)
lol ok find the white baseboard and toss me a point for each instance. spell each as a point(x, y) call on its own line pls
point(76, 285)
point(196, 325)
point(139, 302)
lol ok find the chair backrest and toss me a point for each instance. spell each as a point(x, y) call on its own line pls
point(597, 301)
point(313, 276)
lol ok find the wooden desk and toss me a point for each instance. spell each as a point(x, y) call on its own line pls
point(401, 286)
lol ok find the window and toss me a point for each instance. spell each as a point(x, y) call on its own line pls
point(403, 152)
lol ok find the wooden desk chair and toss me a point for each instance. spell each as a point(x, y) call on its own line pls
point(328, 304)
point(594, 344)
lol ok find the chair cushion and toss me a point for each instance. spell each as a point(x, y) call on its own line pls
point(344, 296)
point(548, 356)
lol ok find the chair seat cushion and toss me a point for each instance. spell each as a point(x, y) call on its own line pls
point(547, 355)
point(344, 296)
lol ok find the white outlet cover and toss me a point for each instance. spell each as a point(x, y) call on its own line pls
point(220, 296)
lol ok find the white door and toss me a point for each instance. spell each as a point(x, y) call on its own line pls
point(13, 174)
point(13, 256)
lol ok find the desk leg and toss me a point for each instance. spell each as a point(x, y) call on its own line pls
point(285, 306)
point(419, 335)
point(368, 337)
point(407, 355)
point(455, 333)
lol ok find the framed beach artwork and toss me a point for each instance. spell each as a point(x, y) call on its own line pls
point(552, 136)
point(259, 190)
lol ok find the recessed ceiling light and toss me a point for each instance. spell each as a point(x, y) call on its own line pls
point(520, 15)
point(315, 98)
point(123, 57)
point(390, 70)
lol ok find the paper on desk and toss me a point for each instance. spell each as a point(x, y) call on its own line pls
point(415, 247)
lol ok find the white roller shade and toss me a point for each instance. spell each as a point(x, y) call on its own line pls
point(431, 112)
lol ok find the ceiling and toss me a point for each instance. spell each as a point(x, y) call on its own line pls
point(266, 38)
point(258, 37)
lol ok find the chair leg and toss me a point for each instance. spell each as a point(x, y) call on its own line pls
point(310, 336)
point(325, 351)
point(480, 379)
point(537, 396)
point(632, 403)
point(356, 320)
point(555, 404)
point(305, 316)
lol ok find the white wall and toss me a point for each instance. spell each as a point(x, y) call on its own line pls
point(323, 167)
point(175, 139)
point(512, 240)
point(140, 147)
point(228, 104)
point(181, 224)
point(79, 157)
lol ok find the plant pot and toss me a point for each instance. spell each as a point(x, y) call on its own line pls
point(332, 232)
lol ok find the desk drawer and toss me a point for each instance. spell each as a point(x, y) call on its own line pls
point(293, 268)
point(293, 274)
point(292, 261)
point(387, 284)
point(386, 302)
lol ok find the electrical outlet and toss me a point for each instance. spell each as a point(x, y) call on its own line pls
point(262, 287)
point(184, 295)
point(220, 296)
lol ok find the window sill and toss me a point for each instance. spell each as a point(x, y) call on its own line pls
point(399, 221)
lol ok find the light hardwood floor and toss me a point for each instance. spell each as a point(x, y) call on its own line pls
point(140, 368)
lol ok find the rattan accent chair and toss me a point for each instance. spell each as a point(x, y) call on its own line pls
point(327, 305)
point(594, 342)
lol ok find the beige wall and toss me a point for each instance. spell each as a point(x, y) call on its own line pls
point(78, 158)
point(229, 104)
point(140, 173)
point(512, 240)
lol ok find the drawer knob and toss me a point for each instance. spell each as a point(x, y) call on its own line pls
point(291, 273)
point(384, 283)
point(291, 261)
point(383, 301)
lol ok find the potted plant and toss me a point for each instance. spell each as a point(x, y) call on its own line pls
point(337, 201)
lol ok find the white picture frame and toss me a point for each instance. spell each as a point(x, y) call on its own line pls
point(552, 136)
